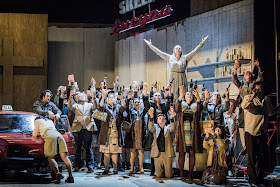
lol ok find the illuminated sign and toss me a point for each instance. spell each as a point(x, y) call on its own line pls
point(142, 20)
point(129, 5)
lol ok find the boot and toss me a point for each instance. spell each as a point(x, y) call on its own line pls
point(123, 165)
point(127, 166)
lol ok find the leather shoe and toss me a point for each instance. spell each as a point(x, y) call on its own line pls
point(90, 170)
point(105, 172)
point(121, 169)
point(59, 176)
point(70, 180)
point(76, 169)
point(115, 172)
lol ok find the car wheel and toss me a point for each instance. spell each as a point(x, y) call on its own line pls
point(2, 168)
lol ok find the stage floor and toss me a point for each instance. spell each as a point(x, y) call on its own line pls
point(122, 179)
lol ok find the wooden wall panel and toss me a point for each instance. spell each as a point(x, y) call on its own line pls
point(29, 36)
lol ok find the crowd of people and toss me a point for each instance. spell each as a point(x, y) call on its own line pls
point(114, 127)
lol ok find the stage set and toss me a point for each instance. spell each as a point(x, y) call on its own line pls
point(209, 68)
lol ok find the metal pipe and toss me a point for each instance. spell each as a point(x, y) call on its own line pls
point(276, 54)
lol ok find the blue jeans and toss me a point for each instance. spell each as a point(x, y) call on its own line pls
point(83, 138)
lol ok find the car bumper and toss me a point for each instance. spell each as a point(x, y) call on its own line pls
point(20, 163)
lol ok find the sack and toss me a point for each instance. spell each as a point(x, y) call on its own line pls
point(97, 114)
point(126, 126)
point(206, 124)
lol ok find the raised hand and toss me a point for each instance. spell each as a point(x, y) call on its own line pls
point(145, 86)
point(207, 95)
point(135, 85)
point(182, 92)
point(63, 88)
point(236, 64)
point(71, 78)
point(196, 94)
point(151, 112)
point(257, 63)
point(116, 84)
point(59, 88)
point(172, 114)
point(204, 39)
point(103, 93)
point(93, 82)
point(148, 42)
point(227, 92)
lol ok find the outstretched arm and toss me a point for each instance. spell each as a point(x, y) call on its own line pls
point(163, 55)
point(190, 55)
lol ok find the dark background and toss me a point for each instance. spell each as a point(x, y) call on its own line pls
point(91, 11)
point(265, 41)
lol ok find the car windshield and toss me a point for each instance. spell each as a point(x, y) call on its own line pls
point(16, 123)
point(62, 124)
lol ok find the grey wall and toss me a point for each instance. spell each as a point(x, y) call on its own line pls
point(201, 6)
point(85, 52)
point(229, 27)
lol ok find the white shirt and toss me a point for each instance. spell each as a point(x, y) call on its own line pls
point(41, 126)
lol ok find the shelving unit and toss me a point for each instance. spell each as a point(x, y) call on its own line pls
point(215, 78)
point(217, 64)
point(242, 61)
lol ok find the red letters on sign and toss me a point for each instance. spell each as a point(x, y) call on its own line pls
point(141, 20)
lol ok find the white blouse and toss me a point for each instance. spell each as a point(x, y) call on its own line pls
point(175, 64)
point(41, 126)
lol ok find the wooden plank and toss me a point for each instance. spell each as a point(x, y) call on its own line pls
point(7, 85)
point(21, 61)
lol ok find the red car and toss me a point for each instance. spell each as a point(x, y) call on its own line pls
point(18, 151)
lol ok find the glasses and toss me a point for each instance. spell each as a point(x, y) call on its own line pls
point(156, 95)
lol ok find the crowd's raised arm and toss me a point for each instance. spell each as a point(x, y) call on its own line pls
point(123, 122)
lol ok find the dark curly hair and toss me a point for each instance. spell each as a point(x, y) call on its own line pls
point(43, 94)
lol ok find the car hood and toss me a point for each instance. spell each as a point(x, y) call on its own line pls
point(19, 138)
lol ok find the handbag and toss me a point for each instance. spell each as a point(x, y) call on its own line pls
point(206, 124)
point(100, 115)
point(126, 126)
